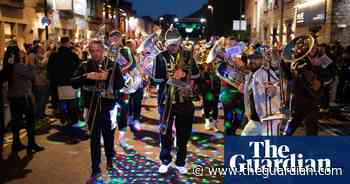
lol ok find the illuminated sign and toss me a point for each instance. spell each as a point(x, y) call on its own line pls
point(310, 12)
point(239, 25)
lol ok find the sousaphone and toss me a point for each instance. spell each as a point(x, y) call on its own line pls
point(298, 48)
point(149, 50)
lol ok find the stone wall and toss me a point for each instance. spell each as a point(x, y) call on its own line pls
point(326, 28)
point(22, 20)
point(341, 21)
point(336, 26)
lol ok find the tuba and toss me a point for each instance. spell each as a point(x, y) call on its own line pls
point(149, 50)
point(298, 48)
point(127, 65)
point(200, 52)
point(233, 75)
point(229, 72)
point(131, 74)
point(297, 52)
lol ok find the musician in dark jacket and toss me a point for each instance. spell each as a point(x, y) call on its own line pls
point(100, 78)
point(175, 64)
point(306, 89)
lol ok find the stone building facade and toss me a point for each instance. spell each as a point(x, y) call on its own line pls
point(17, 19)
point(276, 21)
point(341, 21)
point(78, 19)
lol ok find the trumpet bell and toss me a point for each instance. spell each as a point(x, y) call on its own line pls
point(150, 45)
point(298, 48)
point(152, 49)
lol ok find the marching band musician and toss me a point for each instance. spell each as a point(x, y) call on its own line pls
point(260, 92)
point(135, 98)
point(230, 97)
point(122, 95)
point(94, 76)
point(182, 112)
point(209, 85)
point(210, 90)
point(306, 90)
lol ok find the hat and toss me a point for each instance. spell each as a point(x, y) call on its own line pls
point(255, 55)
point(172, 36)
point(115, 33)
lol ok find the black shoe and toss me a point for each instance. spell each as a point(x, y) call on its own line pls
point(18, 147)
point(35, 148)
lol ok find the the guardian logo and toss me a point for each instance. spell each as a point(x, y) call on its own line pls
point(267, 155)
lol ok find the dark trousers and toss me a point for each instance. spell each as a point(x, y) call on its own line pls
point(20, 107)
point(308, 117)
point(135, 104)
point(233, 117)
point(182, 115)
point(102, 126)
point(68, 111)
point(2, 123)
point(211, 108)
point(54, 95)
point(41, 94)
point(325, 97)
point(122, 117)
point(160, 98)
point(342, 89)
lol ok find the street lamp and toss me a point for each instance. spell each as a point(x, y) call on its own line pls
point(176, 19)
point(161, 18)
point(203, 20)
point(132, 22)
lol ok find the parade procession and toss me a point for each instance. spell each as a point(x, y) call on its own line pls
point(136, 91)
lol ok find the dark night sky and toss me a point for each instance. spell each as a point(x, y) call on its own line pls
point(155, 8)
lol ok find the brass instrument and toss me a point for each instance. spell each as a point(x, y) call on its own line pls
point(131, 74)
point(235, 76)
point(298, 48)
point(200, 53)
point(229, 71)
point(149, 50)
point(215, 50)
point(297, 53)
